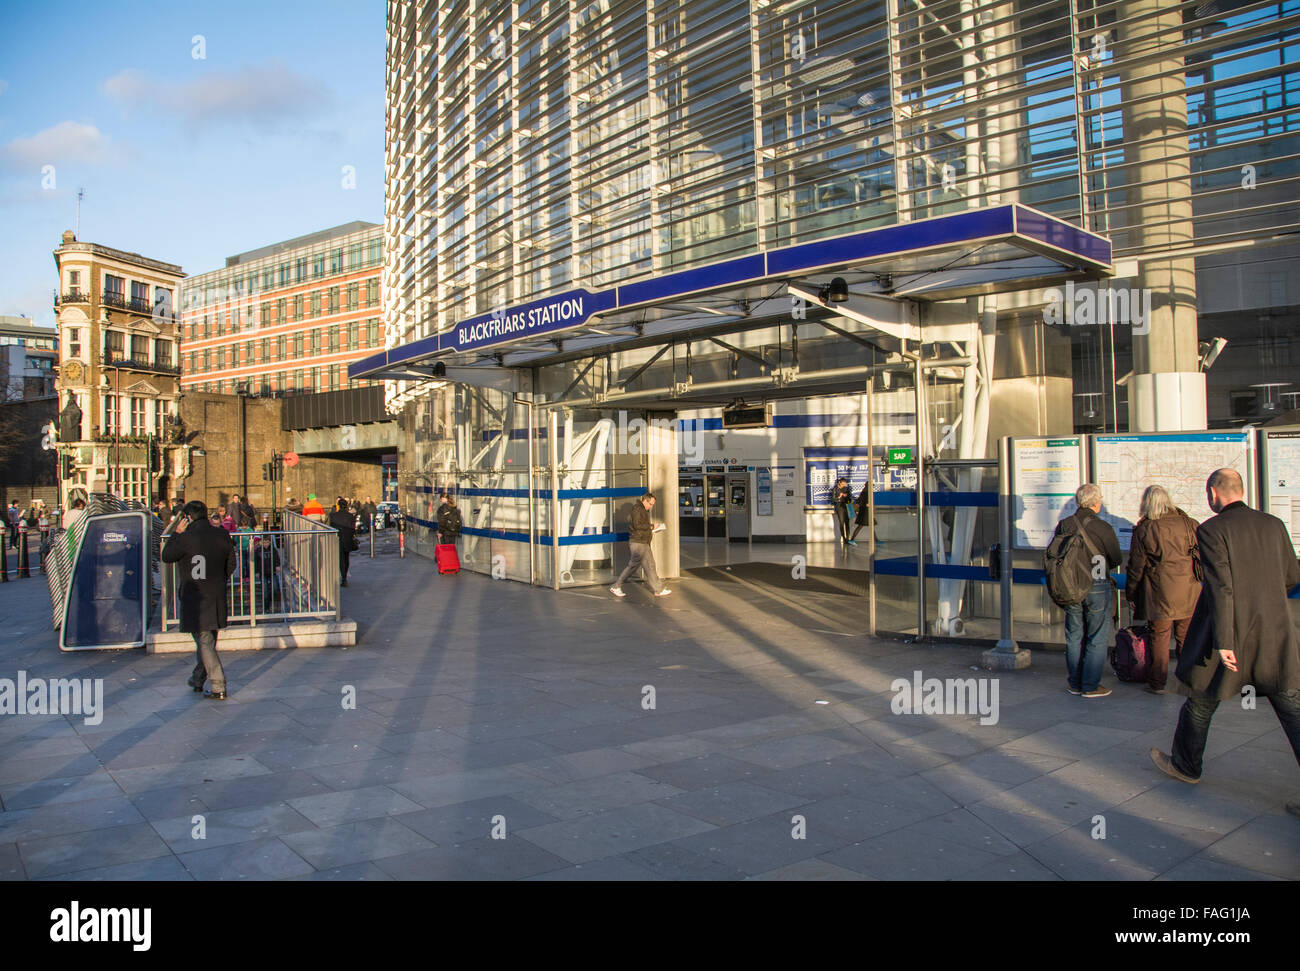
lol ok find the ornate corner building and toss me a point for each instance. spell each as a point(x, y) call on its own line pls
point(119, 372)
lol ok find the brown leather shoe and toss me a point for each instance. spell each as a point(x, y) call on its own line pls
point(1166, 765)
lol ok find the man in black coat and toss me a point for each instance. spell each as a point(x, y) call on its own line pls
point(206, 559)
point(346, 523)
point(1241, 633)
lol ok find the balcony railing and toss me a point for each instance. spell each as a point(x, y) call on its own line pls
point(138, 363)
point(141, 305)
point(73, 296)
point(112, 299)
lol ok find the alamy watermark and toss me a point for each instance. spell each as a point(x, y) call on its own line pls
point(1088, 306)
point(55, 696)
point(947, 696)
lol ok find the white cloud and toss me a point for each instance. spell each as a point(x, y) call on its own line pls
point(263, 95)
point(66, 142)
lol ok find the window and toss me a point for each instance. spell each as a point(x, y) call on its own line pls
point(315, 303)
point(162, 353)
point(297, 307)
point(317, 267)
point(114, 286)
point(353, 289)
point(336, 261)
point(266, 349)
point(113, 342)
point(266, 313)
point(279, 311)
point(315, 342)
point(140, 297)
point(221, 323)
point(140, 348)
point(334, 339)
point(74, 342)
point(162, 305)
point(279, 348)
point(194, 360)
point(207, 361)
point(352, 335)
point(207, 327)
point(221, 357)
point(137, 416)
point(372, 331)
point(248, 352)
point(74, 279)
point(297, 344)
point(300, 269)
point(110, 414)
point(284, 274)
point(372, 291)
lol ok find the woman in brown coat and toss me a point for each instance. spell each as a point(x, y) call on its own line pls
point(1161, 584)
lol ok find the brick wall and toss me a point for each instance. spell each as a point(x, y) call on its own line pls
point(212, 423)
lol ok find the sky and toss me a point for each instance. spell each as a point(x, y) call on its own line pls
point(197, 129)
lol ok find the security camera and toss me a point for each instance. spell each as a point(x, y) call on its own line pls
point(1210, 351)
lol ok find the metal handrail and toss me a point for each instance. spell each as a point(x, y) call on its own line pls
point(302, 582)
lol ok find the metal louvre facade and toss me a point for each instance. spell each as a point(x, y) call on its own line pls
point(538, 146)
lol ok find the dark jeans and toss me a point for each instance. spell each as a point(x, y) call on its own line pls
point(209, 664)
point(1088, 638)
point(1194, 728)
point(1158, 667)
point(345, 558)
point(842, 521)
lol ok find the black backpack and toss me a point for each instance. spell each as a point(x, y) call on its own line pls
point(1067, 561)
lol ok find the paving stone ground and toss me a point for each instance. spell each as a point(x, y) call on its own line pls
point(503, 732)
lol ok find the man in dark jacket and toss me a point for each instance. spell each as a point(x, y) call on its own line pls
point(1087, 625)
point(345, 522)
point(206, 558)
point(1241, 633)
point(640, 532)
point(449, 521)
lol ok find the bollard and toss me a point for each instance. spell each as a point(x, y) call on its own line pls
point(372, 537)
point(24, 570)
point(4, 560)
point(401, 539)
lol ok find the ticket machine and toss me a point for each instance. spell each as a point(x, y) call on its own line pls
point(738, 507)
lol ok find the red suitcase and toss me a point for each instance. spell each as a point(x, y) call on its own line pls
point(447, 558)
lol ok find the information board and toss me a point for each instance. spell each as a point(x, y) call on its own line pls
point(823, 466)
point(1124, 465)
point(1045, 474)
point(1280, 483)
point(763, 483)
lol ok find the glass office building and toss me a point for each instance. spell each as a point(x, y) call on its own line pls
point(550, 149)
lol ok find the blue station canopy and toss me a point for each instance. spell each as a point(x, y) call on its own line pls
point(975, 251)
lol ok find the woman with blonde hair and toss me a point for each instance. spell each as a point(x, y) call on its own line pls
point(1163, 581)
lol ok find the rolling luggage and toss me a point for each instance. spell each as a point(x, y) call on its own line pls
point(1131, 654)
point(446, 556)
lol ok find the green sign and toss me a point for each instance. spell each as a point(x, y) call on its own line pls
point(900, 456)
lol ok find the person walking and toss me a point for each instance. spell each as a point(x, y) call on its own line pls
point(206, 559)
point(860, 520)
point(1088, 624)
point(640, 533)
point(14, 514)
point(449, 521)
point(369, 509)
point(841, 499)
point(1241, 634)
point(345, 523)
point(1161, 584)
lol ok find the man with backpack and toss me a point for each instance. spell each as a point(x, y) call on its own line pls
point(1078, 562)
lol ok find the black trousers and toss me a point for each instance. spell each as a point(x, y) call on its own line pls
point(345, 557)
point(1194, 728)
